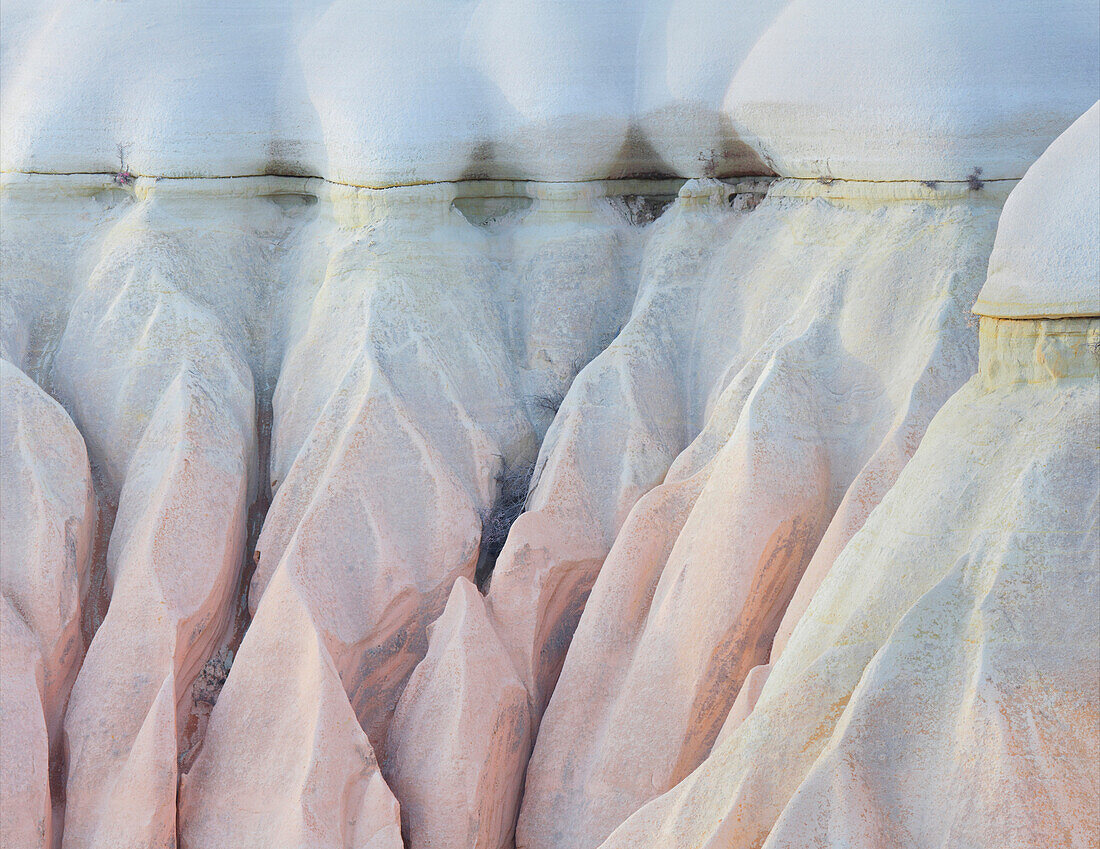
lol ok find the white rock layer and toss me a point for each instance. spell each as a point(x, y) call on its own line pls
point(393, 92)
point(1046, 260)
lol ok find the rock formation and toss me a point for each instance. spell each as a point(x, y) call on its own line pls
point(48, 525)
point(935, 678)
point(812, 414)
point(543, 425)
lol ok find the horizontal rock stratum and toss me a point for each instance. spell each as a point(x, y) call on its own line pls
point(549, 424)
point(396, 91)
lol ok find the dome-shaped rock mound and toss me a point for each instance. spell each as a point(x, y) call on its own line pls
point(1046, 260)
point(910, 90)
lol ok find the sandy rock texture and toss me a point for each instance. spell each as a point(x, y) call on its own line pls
point(46, 535)
point(549, 424)
point(970, 623)
point(816, 391)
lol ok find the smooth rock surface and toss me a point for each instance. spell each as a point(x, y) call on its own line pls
point(400, 408)
point(810, 395)
point(910, 90)
point(1046, 260)
point(971, 625)
point(46, 535)
point(398, 401)
point(47, 529)
point(391, 92)
point(25, 804)
point(619, 427)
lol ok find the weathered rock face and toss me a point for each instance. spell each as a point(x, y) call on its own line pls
point(46, 531)
point(285, 761)
point(625, 418)
point(811, 417)
point(539, 425)
point(160, 387)
point(934, 677)
point(457, 778)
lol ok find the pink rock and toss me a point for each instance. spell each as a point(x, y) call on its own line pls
point(310, 780)
point(393, 419)
point(645, 545)
point(621, 425)
point(936, 677)
point(46, 529)
point(746, 700)
point(718, 600)
point(174, 559)
point(398, 567)
point(165, 399)
point(135, 804)
point(25, 812)
point(941, 669)
point(871, 484)
point(459, 726)
point(790, 426)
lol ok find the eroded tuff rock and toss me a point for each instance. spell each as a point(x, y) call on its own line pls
point(321, 412)
point(359, 433)
point(272, 794)
point(413, 312)
point(164, 397)
point(738, 302)
point(625, 418)
point(46, 532)
point(460, 734)
point(620, 426)
point(935, 677)
point(817, 393)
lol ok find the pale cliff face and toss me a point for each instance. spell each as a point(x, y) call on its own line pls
point(554, 425)
point(391, 91)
